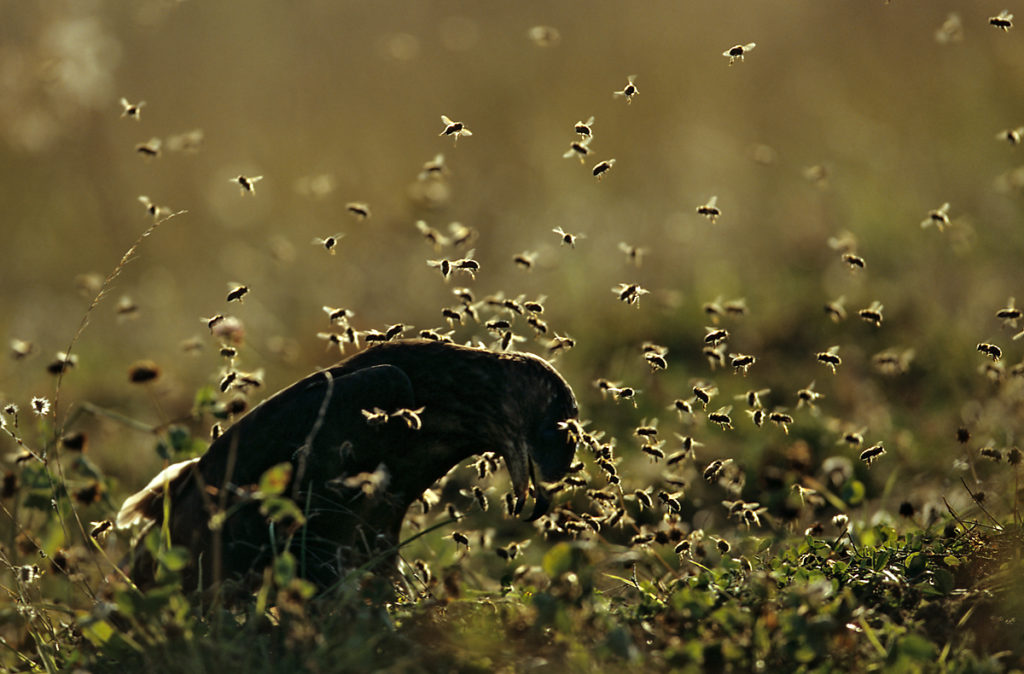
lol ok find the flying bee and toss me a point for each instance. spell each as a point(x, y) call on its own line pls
point(656, 361)
point(835, 309)
point(375, 417)
point(721, 417)
point(938, 217)
point(535, 306)
point(602, 167)
point(227, 380)
point(710, 209)
point(573, 481)
point(374, 337)
point(460, 539)
point(329, 243)
point(688, 446)
point(247, 184)
point(715, 355)
point(630, 293)
point(807, 396)
point(498, 325)
point(641, 539)
point(127, 308)
point(872, 314)
point(757, 416)
point(741, 362)
point(654, 450)
point(991, 453)
point(539, 326)
point(738, 52)
point(854, 262)
point(736, 307)
point(624, 393)
point(213, 321)
point(544, 36)
point(336, 315)
point(396, 330)
point(131, 110)
point(628, 91)
point(830, 358)
point(643, 499)
point(453, 316)
point(359, 209)
point(20, 348)
point(715, 336)
point(598, 495)
point(753, 398)
point(634, 255)
point(461, 234)
point(1012, 136)
point(721, 545)
point(444, 265)
point(1010, 314)
point(467, 264)
point(951, 30)
point(435, 168)
point(990, 350)
point(237, 292)
point(437, 336)
point(871, 453)
point(567, 238)
point(853, 438)
point(560, 343)
point(525, 260)
point(681, 407)
point(781, 419)
point(151, 148)
point(436, 238)
point(683, 548)
point(579, 148)
point(704, 393)
point(647, 431)
point(714, 469)
point(151, 208)
point(1002, 21)
point(454, 129)
point(585, 129)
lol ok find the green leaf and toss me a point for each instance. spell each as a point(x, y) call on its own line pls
point(276, 479)
point(284, 568)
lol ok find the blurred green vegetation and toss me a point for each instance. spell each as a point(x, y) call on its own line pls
point(846, 117)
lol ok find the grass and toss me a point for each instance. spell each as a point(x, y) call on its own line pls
point(793, 552)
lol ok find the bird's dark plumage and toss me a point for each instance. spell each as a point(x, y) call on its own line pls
point(473, 401)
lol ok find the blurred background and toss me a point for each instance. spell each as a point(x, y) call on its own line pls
point(847, 121)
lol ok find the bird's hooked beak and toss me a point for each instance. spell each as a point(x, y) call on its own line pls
point(522, 471)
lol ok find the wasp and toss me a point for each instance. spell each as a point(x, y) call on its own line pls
point(633, 254)
point(630, 293)
point(737, 52)
point(715, 336)
point(872, 314)
point(329, 243)
point(237, 292)
point(990, 350)
point(835, 309)
point(710, 209)
point(628, 91)
point(741, 362)
point(360, 210)
point(567, 238)
point(131, 110)
point(578, 148)
point(721, 417)
point(938, 217)
point(1002, 21)
point(871, 453)
point(151, 148)
point(247, 184)
point(602, 167)
point(525, 260)
point(830, 358)
point(807, 396)
point(454, 129)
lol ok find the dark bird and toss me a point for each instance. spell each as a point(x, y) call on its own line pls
point(468, 401)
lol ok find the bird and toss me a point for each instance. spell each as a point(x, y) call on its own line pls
point(473, 401)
